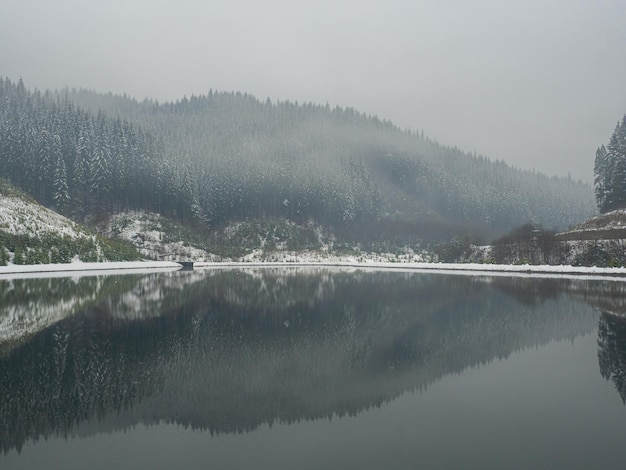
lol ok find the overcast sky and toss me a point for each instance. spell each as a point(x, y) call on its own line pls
point(539, 84)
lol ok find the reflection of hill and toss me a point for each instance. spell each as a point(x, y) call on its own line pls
point(28, 306)
point(607, 297)
point(612, 351)
point(240, 348)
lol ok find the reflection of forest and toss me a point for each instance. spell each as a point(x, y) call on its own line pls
point(605, 296)
point(28, 306)
point(234, 349)
point(610, 299)
point(612, 350)
point(31, 305)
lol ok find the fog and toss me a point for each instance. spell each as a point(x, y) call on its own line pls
point(538, 84)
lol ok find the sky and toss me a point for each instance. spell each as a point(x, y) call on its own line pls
point(539, 84)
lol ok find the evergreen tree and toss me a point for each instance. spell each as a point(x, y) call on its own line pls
point(224, 157)
point(610, 171)
point(100, 167)
point(81, 169)
point(61, 190)
point(600, 180)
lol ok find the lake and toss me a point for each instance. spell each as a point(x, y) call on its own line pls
point(312, 368)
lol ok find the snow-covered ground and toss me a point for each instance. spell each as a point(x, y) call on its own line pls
point(260, 256)
point(19, 216)
point(75, 269)
point(41, 231)
point(466, 268)
point(610, 221)
point(149, 232)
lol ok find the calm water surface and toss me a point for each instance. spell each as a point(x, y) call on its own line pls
point(312, 368)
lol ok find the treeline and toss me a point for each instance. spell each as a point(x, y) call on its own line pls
point(611, 350)
point(221, 157)
point(532, 244)
point(341, 167)
point(85, 164)
point(610, 171)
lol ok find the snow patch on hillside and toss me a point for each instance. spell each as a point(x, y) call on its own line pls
point(153, 237)
point(19, 216)
point(613, 220)
point(78, 268)
point(526, 270)
point(324, 256)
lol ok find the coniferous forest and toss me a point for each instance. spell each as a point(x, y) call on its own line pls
point(610, 171)
point(223, 157)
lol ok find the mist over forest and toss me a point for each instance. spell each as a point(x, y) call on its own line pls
point(212, 160)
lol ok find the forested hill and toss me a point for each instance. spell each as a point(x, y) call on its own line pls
point(224, 157)
point(84, 164)
point(342, 165)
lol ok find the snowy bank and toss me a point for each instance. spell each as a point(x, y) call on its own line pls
point(561, 270)
point(39, 270)
point(44, 270)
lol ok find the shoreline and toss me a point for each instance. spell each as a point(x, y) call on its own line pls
point(67, 269)
point(424, 266)
point(468, 269)
point(128, 267)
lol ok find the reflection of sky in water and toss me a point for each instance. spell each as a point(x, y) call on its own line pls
point(522, 401)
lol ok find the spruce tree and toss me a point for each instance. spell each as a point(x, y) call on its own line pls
point(100, 167)
point(61, 190)
point(600, 181)
point(610, 171)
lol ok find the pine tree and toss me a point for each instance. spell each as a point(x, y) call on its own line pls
point(61, 190)
point(44, 165)
point(187, 196)
point(80, 180)
point(610, 171)
point(600, 181)
point(100, 166)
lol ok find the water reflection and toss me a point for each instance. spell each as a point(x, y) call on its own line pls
point(612, 351)
point(226, 351)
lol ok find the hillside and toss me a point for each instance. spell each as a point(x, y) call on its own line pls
point(343, 168)
point(33, 234)
point(225, 159)
point(156, 237)
point(599, 242)
point(608, 226)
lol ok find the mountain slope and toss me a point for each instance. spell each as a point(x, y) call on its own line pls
point(212, 161)
point(608, 226)
point(33, 234)
point(343, 168)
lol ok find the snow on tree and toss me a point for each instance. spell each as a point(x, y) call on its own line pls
point(228, 156)
point(100, 166)
point(600, 179)
point(610, 171)
point(61, 190)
